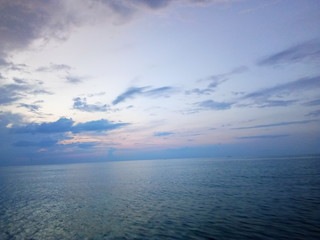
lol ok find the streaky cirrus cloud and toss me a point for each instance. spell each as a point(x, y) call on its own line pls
point(308, 51)
point(82, 105)
point(301, 84)
point(278, 124)
point(162, 134)
point(315, 113)
point(315, 102)
point(263, 98)
point(142, 91)
point(64, 125)
point(215, 81)
point(213, 105)
point(54, 67)
point(74, 79)
point(274, 103)
point(263, 136)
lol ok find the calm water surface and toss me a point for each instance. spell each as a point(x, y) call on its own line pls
point(163, 199)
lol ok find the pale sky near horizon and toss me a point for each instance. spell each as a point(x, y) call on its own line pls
point(91, 80)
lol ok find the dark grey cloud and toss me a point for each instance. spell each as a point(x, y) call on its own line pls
point(278, 124)
point(64, 125)
point(82, 105)
point(31, 107)
point(10, 93)
point(24, 142)
point(22, 22)
point(143, 91)
point(54, 67)
point(162, 134)
point(304, 52)
point(264, 136)
point(213, 105)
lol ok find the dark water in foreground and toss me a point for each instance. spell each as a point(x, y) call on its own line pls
point(163, 199)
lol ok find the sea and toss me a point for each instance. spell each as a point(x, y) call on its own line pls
point(226, 198)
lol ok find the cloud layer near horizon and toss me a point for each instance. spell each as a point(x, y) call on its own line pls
point(64, 125)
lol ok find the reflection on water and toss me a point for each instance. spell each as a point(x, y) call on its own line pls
point(163, 199)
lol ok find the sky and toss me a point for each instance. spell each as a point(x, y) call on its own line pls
point(101, 80)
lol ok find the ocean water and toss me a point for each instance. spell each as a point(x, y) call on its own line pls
point(163, 199)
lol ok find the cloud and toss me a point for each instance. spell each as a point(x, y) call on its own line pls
point(278, 124)
point(64, 125)
point(304, 52)
point(315, 113)
point(31, 107)
point(313, 103)
point(60, 140)
point(74, 80)
point(301, 84)
point(98, 125)
point(54, 67)
point(215, 81)
point(276, 103)
point(198, 91)
point(10, 65)
point(213, 105)
point(81, 104)
point(264, 136)
point(22, 22)
point(161, 134)
point(263, 98)
point(142, 91)
point(40, 91)
point(12, 92)
point(61, 125)
point(130, 93)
